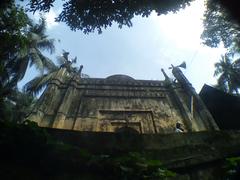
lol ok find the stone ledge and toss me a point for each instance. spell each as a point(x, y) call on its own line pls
point(177, 150)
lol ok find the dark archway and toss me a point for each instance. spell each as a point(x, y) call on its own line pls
point(127, 130)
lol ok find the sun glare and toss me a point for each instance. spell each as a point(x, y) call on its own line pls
point(185, 26)
point(50, 19)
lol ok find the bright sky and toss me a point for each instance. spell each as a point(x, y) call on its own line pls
point(141, 51)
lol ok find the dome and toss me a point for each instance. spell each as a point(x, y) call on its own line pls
point(120, 77)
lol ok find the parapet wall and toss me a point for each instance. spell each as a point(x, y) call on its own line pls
point(192, 154)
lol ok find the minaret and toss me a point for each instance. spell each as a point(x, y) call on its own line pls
point(66, 100)
point(45, 103)
point(186, 114)
point(206, 117)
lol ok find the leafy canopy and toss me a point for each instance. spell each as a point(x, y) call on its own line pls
point(220, 26)
point(91, 15)
point(22, 42)
point(13, 23)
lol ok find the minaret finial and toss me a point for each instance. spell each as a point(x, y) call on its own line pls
point(80, 69)
point(165, 75)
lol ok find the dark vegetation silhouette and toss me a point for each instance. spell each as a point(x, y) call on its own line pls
point(29, 152)
point(222, 26)
point(88, 16)
point(22, 43)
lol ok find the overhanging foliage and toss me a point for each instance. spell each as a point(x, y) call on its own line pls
point(91, 15)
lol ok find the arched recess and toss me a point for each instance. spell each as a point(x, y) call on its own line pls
point(126, 129)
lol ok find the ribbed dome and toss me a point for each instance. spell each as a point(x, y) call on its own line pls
point(120, 77)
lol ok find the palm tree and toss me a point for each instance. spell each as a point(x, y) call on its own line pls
point(63, 70)
point(15, 67)
point(32, 55)
point(229, 74)
point(22, 43)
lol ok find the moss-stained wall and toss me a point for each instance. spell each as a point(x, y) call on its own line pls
point(114, 103)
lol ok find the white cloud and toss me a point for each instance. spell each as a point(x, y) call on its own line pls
point(50, 19)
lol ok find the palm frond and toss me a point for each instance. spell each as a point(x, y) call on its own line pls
point(19, 67)
point(46, 44)
point(47, 63)
point(36, 60)
point(39, 28)
point(222, 83)
point(236, 64)
point(36, 85)
point(218, 69)
point(33, 38)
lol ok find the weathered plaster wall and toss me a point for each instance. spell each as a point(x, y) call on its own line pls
point(110, 104)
